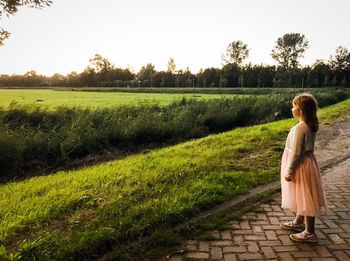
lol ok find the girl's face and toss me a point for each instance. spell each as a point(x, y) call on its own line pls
point(296, 111)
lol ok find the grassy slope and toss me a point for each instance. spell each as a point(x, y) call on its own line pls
point(78, 212)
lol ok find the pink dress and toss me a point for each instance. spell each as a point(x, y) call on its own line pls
point(304, 194)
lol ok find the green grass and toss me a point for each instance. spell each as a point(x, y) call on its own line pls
point(52, 99)
point(81, 213)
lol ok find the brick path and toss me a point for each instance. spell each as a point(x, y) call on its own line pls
point(258, 235)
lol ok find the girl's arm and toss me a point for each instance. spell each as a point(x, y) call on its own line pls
point(296, 151)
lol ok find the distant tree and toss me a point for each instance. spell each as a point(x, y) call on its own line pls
point(340, 65)
point(341, 59)
point(319, 74)
point(99, 64)
point(230, 75)
point(171, 67)
point(145, 75)
point(73, 79)
point(289, 49)
point(10, 7)
point(236, 53)
point(57, 80)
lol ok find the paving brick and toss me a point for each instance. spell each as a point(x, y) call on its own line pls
point(304, 254)
point(322, 251)
point(331, 224)
point(234, 249)
point(203, 246)
point(230, 257)
point(305, 247)
point(244, 225)
point(285, 248)
point(242, 232)
point(257, 229)
point(216, 252)
point(345, 227)
point(341, 255)
point(332, 230)
point(286, 240)
point(275, 214)
point(254, 237)
point(261, 216)
point(276, 208)
point(252, 246)
point(237, 240)
point(343, 215)
point(197, 255)
point(221, 243)
point(274, 220)
point(248, 256)
point(323, 259)
point(271, 235)
point(338, 247)
point(251, 217)
point(226, 234)
point(286, 257)
point(268, 252)
point(260, 222)
point(336, 239)
point(282, 232)
point(270, 243)
point(272, 227)
point(320, 235)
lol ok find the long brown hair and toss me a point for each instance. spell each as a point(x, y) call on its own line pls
point(308, 105)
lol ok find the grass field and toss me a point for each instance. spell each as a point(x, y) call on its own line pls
point(79, 214)
point(53, 98)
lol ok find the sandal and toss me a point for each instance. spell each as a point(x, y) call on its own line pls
point(291, 226)
point(304, 236)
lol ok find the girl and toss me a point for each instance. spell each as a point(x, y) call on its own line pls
point(301, 183)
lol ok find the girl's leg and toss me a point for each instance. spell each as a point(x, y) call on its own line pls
point(298, 220)
point(310, 225)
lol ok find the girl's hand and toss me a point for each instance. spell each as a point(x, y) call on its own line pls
point(288, 178)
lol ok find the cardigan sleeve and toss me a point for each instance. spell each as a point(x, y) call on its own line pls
point(297, 149)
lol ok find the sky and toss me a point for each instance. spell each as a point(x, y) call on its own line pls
point(63, 37)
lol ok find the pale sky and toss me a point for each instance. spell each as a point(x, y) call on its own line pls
point(62, 38)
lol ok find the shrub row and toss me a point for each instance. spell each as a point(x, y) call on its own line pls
point(30, 138)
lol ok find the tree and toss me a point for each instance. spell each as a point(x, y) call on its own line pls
point(236, 53)
point(10, 7)
point(145, 75)
point(289, 49)
point(171, 67)
point(100, 64)
point(341, 59)
point(3, 36)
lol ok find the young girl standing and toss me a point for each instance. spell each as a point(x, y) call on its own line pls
point(301, 184)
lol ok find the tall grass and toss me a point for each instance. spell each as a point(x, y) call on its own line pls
point(32, 138)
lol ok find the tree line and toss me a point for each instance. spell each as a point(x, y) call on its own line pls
point(287, 73)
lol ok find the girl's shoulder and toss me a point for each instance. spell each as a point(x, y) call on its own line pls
point(301, 127)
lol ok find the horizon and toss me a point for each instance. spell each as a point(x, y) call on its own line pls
point(194, 33)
